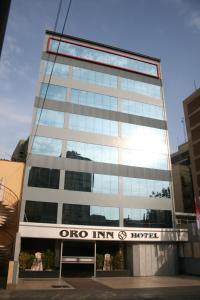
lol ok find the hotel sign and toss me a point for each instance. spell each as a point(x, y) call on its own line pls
point(70, 232)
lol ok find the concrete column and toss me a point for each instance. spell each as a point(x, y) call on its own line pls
point(16, 258)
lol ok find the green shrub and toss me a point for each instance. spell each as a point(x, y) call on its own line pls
point(99, 261)
point(25, 260)
point(48, 259)
point(118, 260)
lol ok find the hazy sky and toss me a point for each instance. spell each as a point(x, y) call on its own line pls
point(168, 29)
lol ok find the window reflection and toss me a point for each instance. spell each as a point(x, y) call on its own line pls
point(53, 92)
point(140, 87)
point(55, 69)
point(92, 124)
point(90, 182)
point(106, 154)
point(146, 188)
point(40, 212)
point(142, 109)
point(46, 146)
point(90, 215)
point(49, 117)
point(104, 57)
point(94, 99)
point(44, 178)
point(94, 77)
point(147, 218)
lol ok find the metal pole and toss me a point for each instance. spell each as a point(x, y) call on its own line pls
point(95, 248)
point(61, 253)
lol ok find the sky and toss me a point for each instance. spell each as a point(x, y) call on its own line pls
point(167, 29)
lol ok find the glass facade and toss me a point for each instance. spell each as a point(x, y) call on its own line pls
point(91, 182)
point(46, 146)
point(94, 125)
point(146, 187)
point(56, 69)
point(93, 99)
point(49, 117)
point(94, 77)
point(103, 57)
point(142, 109)
point(40, 212)
point(53, 92)
point(107, 154)
point(147, 218)
point(44, 178)
point(90, 215)
point(140, 87)
point(78, 150)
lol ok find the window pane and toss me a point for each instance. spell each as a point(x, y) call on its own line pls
point(147, 218)
point(44, 178)
point(90, 182)
point(92, 124)
point(94, 77)
point(47, 146)
point(140, 87)
point(48, 117)
point(40, 212)
point(94, 99)
point(84, 151)
point(90, 215)
point(146, 188)
point(53, 92)
point(55, 69)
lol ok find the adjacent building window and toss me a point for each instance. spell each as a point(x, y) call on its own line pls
point(139, 187)
point(92, 124)
point(142, 109)
point(103, 57)
point(49, 117)
point(91, 182)
point(147, 218)
point(47, 146)
point(84, 151)
point(40, 212)
point(53, 92)
point(44, 178)
point(56, 69)
point(94, 77)
point(90, 215)
point(93, 99)
point(140, 87)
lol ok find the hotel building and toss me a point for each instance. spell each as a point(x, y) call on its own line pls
point(98, 173)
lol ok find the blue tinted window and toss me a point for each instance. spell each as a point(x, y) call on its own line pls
point(90, 182)
point(140, 87)
point(146, 188)
point(47, 146)
point(53, 92)
point(142, 109)
point(94, 99)
point(91, 124)
point(147, 218)
point(56, 69)
point(48, 117)
point(104, 57)
point(94, 77)
point(90, 215)
point(93, 152)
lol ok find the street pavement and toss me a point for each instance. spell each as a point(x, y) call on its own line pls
point(89, 289)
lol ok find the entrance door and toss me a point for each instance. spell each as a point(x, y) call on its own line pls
point(78, 259)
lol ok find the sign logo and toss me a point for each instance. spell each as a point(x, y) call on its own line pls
point(122, 235)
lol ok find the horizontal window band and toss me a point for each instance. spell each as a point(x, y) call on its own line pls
point(101, 113)
point(63, 163)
